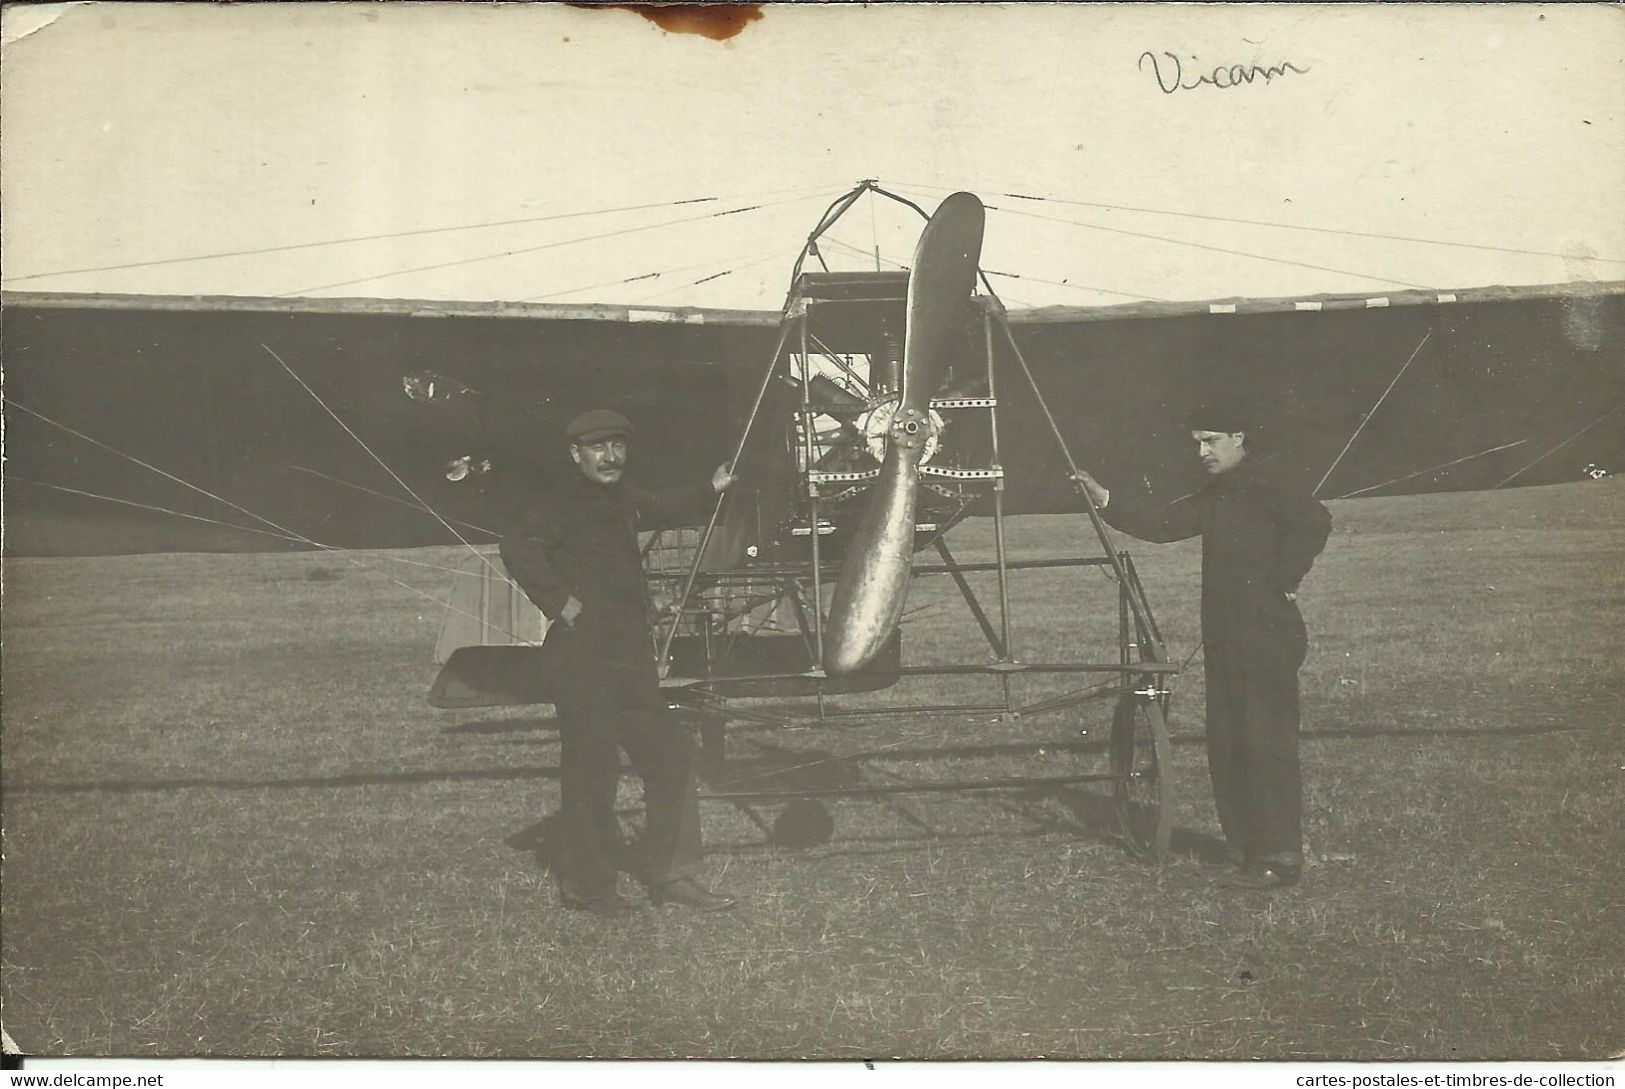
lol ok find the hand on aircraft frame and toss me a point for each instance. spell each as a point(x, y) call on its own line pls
point(1097, 492)
point(724, 477)
point(569, 611)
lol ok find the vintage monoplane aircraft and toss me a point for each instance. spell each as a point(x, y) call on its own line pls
point(868, 417)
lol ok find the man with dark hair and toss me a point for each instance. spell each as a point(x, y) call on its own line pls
point(1261, 530)
point(576, 556)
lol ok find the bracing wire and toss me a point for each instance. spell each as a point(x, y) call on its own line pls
point(1611, 412)
point(276, 528)
point(13, 478)
point(12, 403)
point(383, 236)
point(279, 530)
point(874, 229)
point(542, 246)
point(410, 233)
point(1429, 469)
point(1373, 411)
point(1204, 246)
point(1075, 287)
point(709, 278)
point(386, 498)
point(396, 476)
point(859, 250)
point(1007, 275)
point(633, 279)
point(290, 536)
point(1292, 226)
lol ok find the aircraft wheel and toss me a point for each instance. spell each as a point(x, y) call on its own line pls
point(1140, 761)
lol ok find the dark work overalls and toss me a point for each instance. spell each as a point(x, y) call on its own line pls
point(1261, 531)
point(582, 542)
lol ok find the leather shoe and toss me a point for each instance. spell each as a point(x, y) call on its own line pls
point(612, 906)
point(689, 893)
point(1263, 876)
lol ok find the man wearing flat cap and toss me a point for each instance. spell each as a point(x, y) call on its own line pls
point(576, 556)
point(1261, 530)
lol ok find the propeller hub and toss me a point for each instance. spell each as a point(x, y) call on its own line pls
point(893, 424)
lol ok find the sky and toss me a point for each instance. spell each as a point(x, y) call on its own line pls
point(146, 135)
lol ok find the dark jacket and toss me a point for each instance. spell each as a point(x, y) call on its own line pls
point(1261, 530)
point(581, 541)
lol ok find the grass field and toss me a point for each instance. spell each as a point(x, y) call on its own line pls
point(232, 826)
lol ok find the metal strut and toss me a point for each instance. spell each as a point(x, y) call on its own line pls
point(664, 662)
point(1140, 675)
point(1136, 603)
point(834, 212)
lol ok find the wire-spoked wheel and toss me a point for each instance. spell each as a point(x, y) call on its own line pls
point(1140, 763)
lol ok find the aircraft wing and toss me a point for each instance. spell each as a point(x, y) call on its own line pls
point(142, 423)
point(331, 419)
point(1404, 393)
